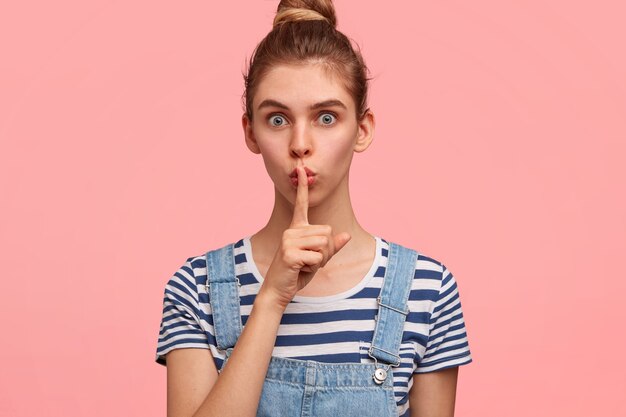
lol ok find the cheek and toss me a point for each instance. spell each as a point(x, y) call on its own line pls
point(338, 148)
point(267, 146)
point(271, 158)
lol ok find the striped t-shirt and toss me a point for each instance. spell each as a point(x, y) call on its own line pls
point(332, 329)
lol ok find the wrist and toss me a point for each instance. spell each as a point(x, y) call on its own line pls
point(265, 300)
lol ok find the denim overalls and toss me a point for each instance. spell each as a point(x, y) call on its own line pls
point(294, 387)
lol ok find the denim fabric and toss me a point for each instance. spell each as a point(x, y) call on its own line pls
point(294, 387)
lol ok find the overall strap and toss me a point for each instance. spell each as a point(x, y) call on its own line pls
point(223, 288)
point(393, 304)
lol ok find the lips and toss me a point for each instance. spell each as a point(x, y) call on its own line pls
point(310, 180)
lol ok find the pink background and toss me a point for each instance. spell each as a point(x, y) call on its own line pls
point(499, 150)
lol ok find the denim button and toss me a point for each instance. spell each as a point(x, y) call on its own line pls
point(380, 375)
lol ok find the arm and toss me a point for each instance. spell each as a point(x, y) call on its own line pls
point(193, 386)
point(303, 249)
point(433, 393)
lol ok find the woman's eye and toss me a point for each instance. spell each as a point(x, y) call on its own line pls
point(327, 118)
point(277, 120)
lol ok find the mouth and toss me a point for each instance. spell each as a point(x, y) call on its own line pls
point(310, 180)
point(310, 176)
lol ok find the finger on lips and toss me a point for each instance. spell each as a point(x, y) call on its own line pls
point(301, 207)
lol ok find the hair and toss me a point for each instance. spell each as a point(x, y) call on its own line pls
point(305, 32)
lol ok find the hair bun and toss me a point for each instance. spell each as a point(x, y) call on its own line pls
point(296, 10)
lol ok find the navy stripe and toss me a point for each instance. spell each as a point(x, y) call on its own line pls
point(449, 304)
point(442, 323)
point(446, 349)
point(327, 316)
point(422, 339)
point(178, 300)
point(445, 333)
point(421, 317)
point(427, 274)
point(182, 286)
point(333, 358)
point(318, 339)
point(241, 258)
point(178, 323)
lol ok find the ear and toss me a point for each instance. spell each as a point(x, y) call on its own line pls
point(365, 134)
point(248, 133)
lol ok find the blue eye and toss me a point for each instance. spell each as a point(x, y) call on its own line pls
point(278, 117)
point(327, 118)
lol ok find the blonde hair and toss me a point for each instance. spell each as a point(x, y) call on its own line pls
point(295, 14)
point(304, 31)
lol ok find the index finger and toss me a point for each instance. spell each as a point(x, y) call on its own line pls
point(301, 206)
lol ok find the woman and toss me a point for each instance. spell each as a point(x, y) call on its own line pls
point(328, 319)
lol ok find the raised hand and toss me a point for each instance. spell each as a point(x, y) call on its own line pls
point(304, 249)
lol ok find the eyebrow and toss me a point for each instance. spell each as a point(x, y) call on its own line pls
point(326, 103)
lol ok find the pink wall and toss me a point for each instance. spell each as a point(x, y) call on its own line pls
point(499, 150)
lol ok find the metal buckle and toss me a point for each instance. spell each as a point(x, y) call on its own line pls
point(392, 308)
point(370, 351)
point(380, 374)
point(208, 285)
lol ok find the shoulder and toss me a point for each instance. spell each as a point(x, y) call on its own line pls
point(427, 267)
point(432, 279)
point(428, 278)
point(197, 264)
point(183, 277)
point(191, 277)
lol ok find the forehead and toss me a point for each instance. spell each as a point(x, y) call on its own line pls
point(299, 86)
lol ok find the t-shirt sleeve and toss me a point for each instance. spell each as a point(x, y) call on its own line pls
point(180, 322)
point(447, 344)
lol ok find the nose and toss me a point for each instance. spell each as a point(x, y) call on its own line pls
point(301, 141)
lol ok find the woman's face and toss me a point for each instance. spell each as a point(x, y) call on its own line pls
point(303, 117)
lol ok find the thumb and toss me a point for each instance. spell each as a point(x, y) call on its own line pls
point(340, 240)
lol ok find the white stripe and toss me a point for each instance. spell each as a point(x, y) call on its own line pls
point(324, 328)
point(312, 350)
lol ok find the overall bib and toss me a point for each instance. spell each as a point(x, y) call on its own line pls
point(294, 387)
